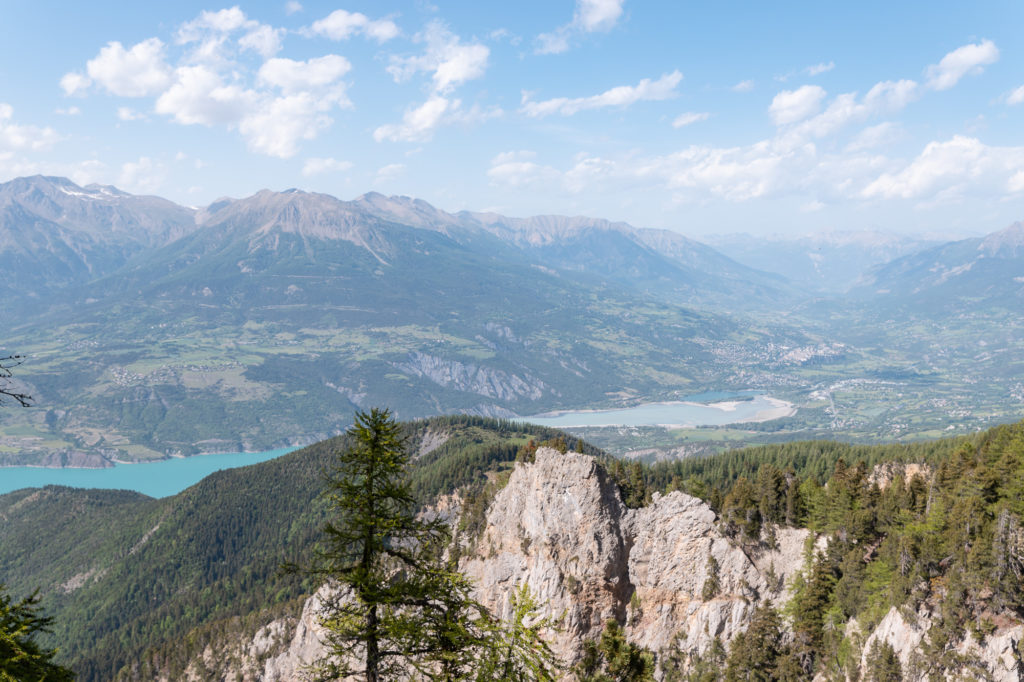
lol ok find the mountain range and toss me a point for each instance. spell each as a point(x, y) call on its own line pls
point(154, 329)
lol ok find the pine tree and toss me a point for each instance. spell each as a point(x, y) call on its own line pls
point(882, 663)
point(519, 652)
point(401, 606)
point(379, 553)
point(21, 658)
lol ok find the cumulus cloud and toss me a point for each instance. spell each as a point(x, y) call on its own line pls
point(275, 107)
point(1015, 184)
point(18, 137)
point(883, 98)
point(211, 30)
point(221, 21)
point(690, 118)
point(589, 16)
point(743, 86)
point(290, 75)
point(949, 169)
point(969, 59)
point(70, 111)
point(315, 166)
point(341, 25)
point(418, 123)
point(276, 127)
point(265, 40)
point(75, 83)
point(1016, 96)
point(135, 72)
point(790, 106)
point(292, 7)
point(622, 96)
point(819, 68)
point(199, 95)
point(813, 157)
point(451, 61)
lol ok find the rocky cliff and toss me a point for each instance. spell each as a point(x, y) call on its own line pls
point(561, 527)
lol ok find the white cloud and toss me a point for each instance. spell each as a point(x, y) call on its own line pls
point(341, 25)
point(389, 172)
point(212, 32)
point(129, 114)
point(451, 61)
point(222, 21)
point(1016, 96)
point(144, 175)
point(75, 83)
point(968, 59)
point(884, 98)
point(590, 16)
point(291, 76)
point(622, 96)
point(274, 107)
point(517, 169)
point(316, 166)
point(875, 136)
point(819, 68)
point(948, 170)
point(137, 72)
point(1016, 183)
point(17, 137)
point(200, 96)
point(690, 118)
point(292, 7)
point(597, 15)
point(276, 127)
point(418, 123)
point(70, 111)
point(791, 106)
point(264, 40)
point(743, 86)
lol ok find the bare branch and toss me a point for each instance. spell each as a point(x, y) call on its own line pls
point(7, 390)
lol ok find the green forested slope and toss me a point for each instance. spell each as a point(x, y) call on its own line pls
point(121, 572)
point(124, 574)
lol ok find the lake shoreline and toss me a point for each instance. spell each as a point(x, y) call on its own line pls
point(770, 409)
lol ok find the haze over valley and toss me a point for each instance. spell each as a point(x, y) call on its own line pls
point(267, 321)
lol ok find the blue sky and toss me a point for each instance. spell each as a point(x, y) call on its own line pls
point(699, 117)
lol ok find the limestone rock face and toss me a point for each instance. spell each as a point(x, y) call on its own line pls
point(557, 526)
point(306, 644)
point(561, 527)
point(996, 654)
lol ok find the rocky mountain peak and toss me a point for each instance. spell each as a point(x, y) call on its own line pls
point(1006, 243)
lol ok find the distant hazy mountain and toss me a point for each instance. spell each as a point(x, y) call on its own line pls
point(54, 233)
point(271, 318)
point(659, 262)
point(829, 262)
point(970, 273)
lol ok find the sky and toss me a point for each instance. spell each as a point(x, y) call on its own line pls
point(704, 118)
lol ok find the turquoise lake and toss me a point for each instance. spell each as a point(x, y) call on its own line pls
point(695, 410)
point(156, 479)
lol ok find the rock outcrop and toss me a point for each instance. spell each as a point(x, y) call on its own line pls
point(560, 526)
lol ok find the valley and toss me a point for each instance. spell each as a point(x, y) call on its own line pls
point(266, 322)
